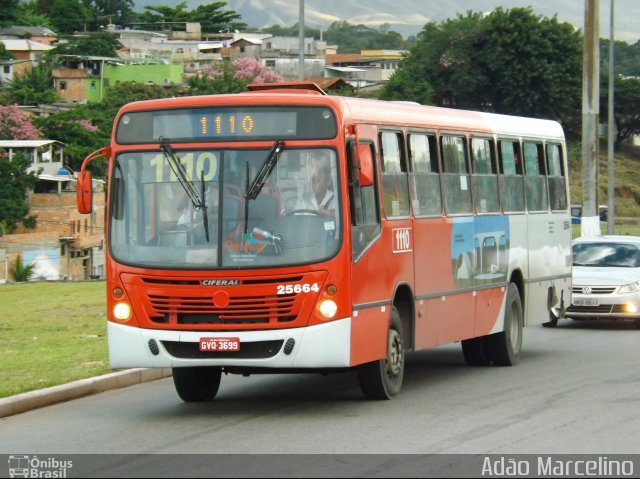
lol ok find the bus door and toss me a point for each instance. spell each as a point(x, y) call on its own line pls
point(374, 268)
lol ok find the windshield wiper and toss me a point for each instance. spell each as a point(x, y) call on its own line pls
point(267, 167)
point(205, 214)
point(253, 190)
point(197, 199)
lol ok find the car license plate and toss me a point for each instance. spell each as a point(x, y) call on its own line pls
point(586, 302)
point(229, 345)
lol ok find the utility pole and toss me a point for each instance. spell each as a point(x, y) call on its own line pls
point(590, 223)
point(301, 41)
point(611, 127)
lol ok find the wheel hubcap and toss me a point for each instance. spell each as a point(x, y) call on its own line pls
point(394, 354)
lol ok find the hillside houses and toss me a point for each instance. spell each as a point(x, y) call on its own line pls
point(166, 58)
point(68, 245)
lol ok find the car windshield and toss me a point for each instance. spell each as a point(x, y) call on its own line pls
point(623, 255)
point(292, 216)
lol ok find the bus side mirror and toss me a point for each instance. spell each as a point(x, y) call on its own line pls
point(84, 184)
point(84, 192)
point(365, 162)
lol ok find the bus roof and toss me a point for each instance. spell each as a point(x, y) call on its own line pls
point(388, 113)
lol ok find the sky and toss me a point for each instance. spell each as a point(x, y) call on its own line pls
point(409, 16)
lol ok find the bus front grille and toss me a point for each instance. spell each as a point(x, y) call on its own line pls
point(240, 310)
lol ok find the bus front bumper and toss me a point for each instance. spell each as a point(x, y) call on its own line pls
point(319, 346)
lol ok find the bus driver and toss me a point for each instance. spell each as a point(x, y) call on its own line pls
point(320, 196)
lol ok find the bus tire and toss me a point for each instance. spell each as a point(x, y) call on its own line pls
point(476, 352)
point(505, 347)
point(382, 379)
point(197, 384)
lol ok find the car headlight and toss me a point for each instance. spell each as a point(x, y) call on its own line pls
point(629, 288)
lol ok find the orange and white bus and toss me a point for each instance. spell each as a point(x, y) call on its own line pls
point(224, 255)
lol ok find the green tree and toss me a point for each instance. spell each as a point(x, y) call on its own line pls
point(626, 58)
point(9, 12)
point(29, 15)
point(211, 16)
point(126, 92)
point(534, 65)
point(510, 61)
point(101, 44)
point(15, 182)
point(68, 16)
point(118, 12)
point(85, 128)
point(626, 110)
point(441, 66)
point(32, 86)
point(4, 54)
point(21, 272)
point(354, 38)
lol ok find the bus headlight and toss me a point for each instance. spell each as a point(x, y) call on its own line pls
point(328, 308)
point(631, 308)
point(122, 311)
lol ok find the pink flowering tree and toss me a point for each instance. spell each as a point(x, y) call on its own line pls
point(232, 78)
point(254, 71)
point(15, 125)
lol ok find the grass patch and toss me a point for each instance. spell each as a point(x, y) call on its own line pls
point(51, 333)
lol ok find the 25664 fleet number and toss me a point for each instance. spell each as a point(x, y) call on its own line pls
point(298, 288)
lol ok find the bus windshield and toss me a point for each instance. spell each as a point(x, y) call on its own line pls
point(294, 218)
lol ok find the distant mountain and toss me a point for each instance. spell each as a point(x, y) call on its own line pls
point(409, 16)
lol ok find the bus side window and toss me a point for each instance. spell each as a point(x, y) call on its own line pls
point(363, 204)
point(395, 188)
point(485, 178)
point(457, 191)
point(511, 179)
point(535, 182)
point(424, 175)
point(556, 177)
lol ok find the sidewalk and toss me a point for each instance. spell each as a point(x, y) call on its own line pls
point(84, 387)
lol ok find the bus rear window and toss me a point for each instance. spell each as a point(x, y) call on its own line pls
point(226, 124)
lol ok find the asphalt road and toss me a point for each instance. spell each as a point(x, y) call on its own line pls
point(575, 391)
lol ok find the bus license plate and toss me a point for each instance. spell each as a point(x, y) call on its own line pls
point(586, 302)
point(229, 345)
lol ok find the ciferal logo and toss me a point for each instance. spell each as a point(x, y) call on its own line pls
point(220, 282)
point(27, 466)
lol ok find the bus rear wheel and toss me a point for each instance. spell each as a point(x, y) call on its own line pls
point(197, 384)
point(505, 347)
point(382, 379)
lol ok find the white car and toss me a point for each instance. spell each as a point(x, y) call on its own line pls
point(606, 278)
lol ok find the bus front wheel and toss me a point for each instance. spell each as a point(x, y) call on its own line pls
point(382, 379)
point(197, 384)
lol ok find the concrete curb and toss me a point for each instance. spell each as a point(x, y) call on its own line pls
point(84, 387)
